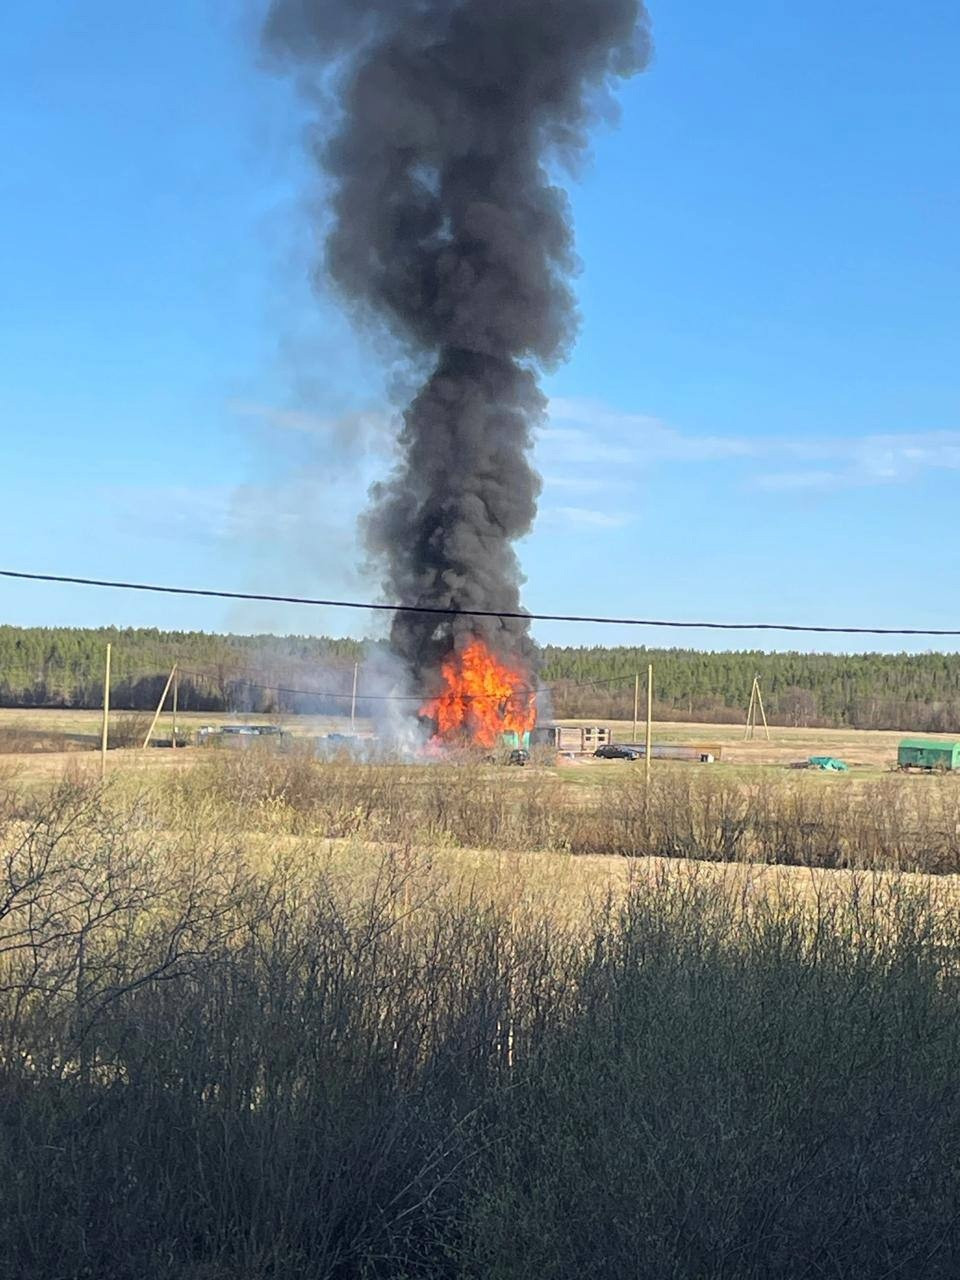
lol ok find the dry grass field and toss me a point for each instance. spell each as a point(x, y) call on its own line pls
point(25, 733)
point(83, 727)
point(873, 748)
point(265, 1016)
point(270, 1018)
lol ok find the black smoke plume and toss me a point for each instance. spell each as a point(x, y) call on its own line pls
point(448, 228)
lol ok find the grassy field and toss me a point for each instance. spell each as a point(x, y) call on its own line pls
point(27, 732)
point(861, 746)
point(269, 1017)
point(265, 1018)
point(84, 727)
point(872, 748)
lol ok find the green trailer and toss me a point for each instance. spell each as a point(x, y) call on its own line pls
point(922, 753)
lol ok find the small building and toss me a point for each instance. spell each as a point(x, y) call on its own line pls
point(573, 741)
point(926, 753)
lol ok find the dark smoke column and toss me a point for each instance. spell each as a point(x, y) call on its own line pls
point(448, 228)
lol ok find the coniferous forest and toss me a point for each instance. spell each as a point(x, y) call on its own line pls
point(63, 667)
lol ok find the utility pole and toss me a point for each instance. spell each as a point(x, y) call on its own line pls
point(748, 729)
point(176, 699)
point(353, 700)
point(106, 717)
point(163, 698)
point(763, 714)
point(648, 753)
point(756, 705)
point(636, 705)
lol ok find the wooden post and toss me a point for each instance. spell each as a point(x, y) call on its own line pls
point(163, 698)
point(756, 704)
point(353, 700)
point(176, 699)
point(636, 705)
point(763, 714)
point(104, 734)
point(648, 753)
point(751, 712)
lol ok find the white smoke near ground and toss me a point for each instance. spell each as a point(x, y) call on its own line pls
point(394, 704)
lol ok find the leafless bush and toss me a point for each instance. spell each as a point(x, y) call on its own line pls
point(686, 813)
point(218, 1064)
point(129, 728)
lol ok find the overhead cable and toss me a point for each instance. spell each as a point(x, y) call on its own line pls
point(434, 610)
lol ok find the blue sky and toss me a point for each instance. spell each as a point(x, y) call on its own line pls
point(761, 418)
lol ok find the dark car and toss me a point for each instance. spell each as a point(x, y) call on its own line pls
point(619, 751)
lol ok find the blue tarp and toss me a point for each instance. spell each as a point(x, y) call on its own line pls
point(830, 764)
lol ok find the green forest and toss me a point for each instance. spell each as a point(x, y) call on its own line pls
point(63, 667)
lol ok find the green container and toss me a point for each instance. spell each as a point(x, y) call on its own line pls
point(515, 741)
point(921, 753)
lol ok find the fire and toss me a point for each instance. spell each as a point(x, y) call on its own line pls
point(482, 698)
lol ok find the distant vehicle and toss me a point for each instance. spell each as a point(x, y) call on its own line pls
point(618, 751)
point(519, 756)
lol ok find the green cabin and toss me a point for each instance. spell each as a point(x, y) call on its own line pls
point(921, 753)
point(515, 741)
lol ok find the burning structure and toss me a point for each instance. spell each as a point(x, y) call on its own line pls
point(448, 230)
point(482, 699)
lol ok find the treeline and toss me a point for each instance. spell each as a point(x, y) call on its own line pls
point(863, 691)
point(63, 667)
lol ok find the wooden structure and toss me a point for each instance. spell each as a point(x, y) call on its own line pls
point(580, 741)
point(755, 709)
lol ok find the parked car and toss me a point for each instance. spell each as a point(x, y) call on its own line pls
point(619, 751)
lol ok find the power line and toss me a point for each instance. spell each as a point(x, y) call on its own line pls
point(236, 678)
point(243, 681)
point(524, 691)
point(434, 610)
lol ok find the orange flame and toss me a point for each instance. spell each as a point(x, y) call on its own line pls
point(482, 698)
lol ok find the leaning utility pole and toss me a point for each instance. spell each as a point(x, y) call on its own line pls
point(636, 705)
point(756, 705)
point(163, 698)
point(106, 717)
point(353, 700)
